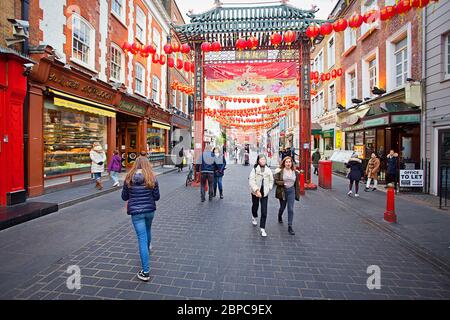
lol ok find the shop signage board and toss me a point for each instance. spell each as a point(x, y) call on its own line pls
point(252, 55)
point(338, 142)
point(328, 133)
point(133, 108)
point(360, 151)
point(405, 118)
point(355, 127)
point(411, 178)
point(376, 122)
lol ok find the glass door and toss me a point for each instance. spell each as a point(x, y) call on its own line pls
point(444, 162)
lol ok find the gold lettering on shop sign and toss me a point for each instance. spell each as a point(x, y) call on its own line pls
point(89, 90)
point(64, 82)
point(93, 91)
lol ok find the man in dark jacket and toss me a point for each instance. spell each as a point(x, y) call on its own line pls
point(207, 169)
point(392, 168)
point(315, 160)
point(355, 174)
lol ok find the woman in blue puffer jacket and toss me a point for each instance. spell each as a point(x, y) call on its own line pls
point(141, 191)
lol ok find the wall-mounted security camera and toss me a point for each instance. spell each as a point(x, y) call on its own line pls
point(27, 67)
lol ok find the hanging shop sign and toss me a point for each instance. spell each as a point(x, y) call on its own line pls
point(411, 178)
point(252, 55)
point(338, 142)
point(133, 108)
point(328, 133)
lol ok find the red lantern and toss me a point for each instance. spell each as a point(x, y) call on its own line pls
point(339, 72)
point(171, 62)
point(355, 21)
point(215, 46)
point(420, 3)
point(175, 47)
point(403, 6)
point(253, 42)
point(370, 16)
point(289, 37)
point(322, 77)
point(192, 67)
point(126, 47)
point(168, 48)
point(179, 64)
point(340, 25)
point(187, 66)
point(155, 58)
point(316, 75)
point(312, 31)
point(234, 100)
point(241, 43)
point(162, 60)
point(135, 48)
point(326, 28)
point(206, 46)
point(275, 39)
point(333, 73)
point(387, 13)
point(316, 80)
point(185, 49)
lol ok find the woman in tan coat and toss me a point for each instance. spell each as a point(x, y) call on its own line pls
point(372, 169)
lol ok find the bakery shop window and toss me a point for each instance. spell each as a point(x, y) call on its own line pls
point(156, 140)
point(68, 138)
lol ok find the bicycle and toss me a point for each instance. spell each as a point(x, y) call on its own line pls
point(190, 176)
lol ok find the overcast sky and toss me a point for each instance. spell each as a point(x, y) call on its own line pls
point(199, 6)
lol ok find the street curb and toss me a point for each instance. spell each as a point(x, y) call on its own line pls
point(72, 202)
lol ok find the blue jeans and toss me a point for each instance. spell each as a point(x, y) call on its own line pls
point(218, 181)
point(97, 175)
point(290, 200)
point(143, 226)
point(115, 176)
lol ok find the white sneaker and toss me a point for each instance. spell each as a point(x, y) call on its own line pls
point(349, 193)
point(150, 246)
point(356, 195)
point(254, 221)
point(263, 233)
point(116, 184)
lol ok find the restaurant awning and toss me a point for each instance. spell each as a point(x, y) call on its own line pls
point(65, 100)
point(160, 125)
point(316, 128)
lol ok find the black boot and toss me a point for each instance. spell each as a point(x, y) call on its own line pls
point(221, 196)
point(280, 218)
point(291, 231)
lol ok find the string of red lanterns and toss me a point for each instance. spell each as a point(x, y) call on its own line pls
point(175, 85)
point(253, 100)
point(315, 76)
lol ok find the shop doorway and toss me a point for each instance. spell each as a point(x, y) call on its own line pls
point(444, 166)
point(127, 140)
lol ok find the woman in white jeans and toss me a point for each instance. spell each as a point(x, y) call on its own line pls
point(372, 169)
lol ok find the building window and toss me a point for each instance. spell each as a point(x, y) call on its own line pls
point(321, 103)
point(117, 63)
point(157, 39)
point(349, 38)
point(180, 104)
point(174, 99)
point(447, 56)
point(370, 73)
point(331, 53)
point(401, 62)
point(373, 73)
point(351, 85)
point(389, 3)
point(320, 62)
point(82, 41)
point(155, 89)
point(118, 9)
point(186, 103)
point(140, 78)
point(331, 97)
point(141, 24)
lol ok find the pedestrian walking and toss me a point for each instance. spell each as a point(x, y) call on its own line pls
point(207, 169)
point(392, 168)
point(372, 169)
point(98, 158)
point(355, 173)
point(180, 160)
point(141, 190)
point(315, 160)
point(287, 190)
point(115, 167)
point(261, 182)
point(220, 166)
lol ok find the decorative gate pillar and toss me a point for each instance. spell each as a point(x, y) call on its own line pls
point(199, 117)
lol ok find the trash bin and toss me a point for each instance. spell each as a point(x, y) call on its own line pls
point(325, 176)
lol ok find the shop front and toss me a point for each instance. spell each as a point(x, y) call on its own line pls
point(68, 113)
point(181, 128)
point(131, 129)
point(158, 130)
point(384, 127)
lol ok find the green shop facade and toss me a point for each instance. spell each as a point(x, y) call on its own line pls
point(380, 128)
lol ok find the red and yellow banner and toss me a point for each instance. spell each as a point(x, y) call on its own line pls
point(270, 78)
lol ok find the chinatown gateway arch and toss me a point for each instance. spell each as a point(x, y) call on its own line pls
point(279, 41)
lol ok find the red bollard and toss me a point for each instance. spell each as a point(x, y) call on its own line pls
point(390, 215)
point(302, 182)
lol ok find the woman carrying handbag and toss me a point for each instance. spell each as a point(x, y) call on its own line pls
point(287, 190)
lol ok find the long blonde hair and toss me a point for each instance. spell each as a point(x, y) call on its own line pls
point(143, 164)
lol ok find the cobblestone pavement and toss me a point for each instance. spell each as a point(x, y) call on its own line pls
point(211, 251)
